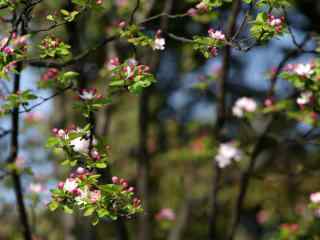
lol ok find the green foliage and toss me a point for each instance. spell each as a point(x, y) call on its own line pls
point(263, 31)
point(134, 36)
point(274, 3)
point(17, 99)
point(130, 76)
point(57, 79)
point(54, 48)
point(69, 16)
point(205, 44)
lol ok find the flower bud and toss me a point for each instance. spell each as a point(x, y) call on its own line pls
point(115, 180)
point(81, 170)
point(60, 185)
point(192, 12)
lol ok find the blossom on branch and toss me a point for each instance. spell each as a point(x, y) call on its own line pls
point(244, 105)
point(226, 153)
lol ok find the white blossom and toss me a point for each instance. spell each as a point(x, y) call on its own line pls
point(216, 35)
point(304, 98)
point(70, 185)
point(159, 44)
point(275, 22)
point(36, 187)
point(87, 94)
point(82, 198)
point(315, 197)
point(80, 145)
point(304, 70)
point(243, 105)
point(226, 153)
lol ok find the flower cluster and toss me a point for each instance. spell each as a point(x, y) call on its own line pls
point(90, 100)
point(305, 78)
point(130, 74)
point(79, 147)
point(135, 36)
point(215, 34)
point(82, 190)
point(301, 69)
point(52, 47)
point(267, 26)
point(289, 231)
point(208, 46)
point(275, 22)
point(205, 6)
point(244, 105)
point(11, 50)
point(315, 203)
point(226, 153)
point(159, 42)
point(50, 74)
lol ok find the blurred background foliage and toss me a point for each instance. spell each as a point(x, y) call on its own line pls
point(180, 140)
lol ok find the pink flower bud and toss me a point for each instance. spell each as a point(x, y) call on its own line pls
point(136, 202)
point(131, 189)
point(115, 180)
point(72, 175)
point(76, 192)
point(192, 12)
point(122, 24)
point(125, 184)
point(268, 102)
point(60, 185)
point(81, 170)
point(95, 154)
point(214, 52)
point(55, 130)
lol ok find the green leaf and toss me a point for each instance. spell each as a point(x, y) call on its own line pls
point(52, 142)
point(67, 209)
point(101, 165)
point(53, 206)
point(102, 212)
point(89, 211)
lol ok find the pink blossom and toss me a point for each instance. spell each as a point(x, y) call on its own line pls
point(115, 180)
point(275, 22)
point(113, 63)
point(95, 196)
point(215, 34)
point(20, 162)
point(243, 105)
point(315, 197)
point(304, 70)
point(81, 170)
point(262, 216)
point(33, 117)
point(36, 187)
point(50, 74)
point(166, 214)
point(70, 185)
point(192, 12)
point(121, 3)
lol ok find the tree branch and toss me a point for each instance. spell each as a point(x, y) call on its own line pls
point(221, 115)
